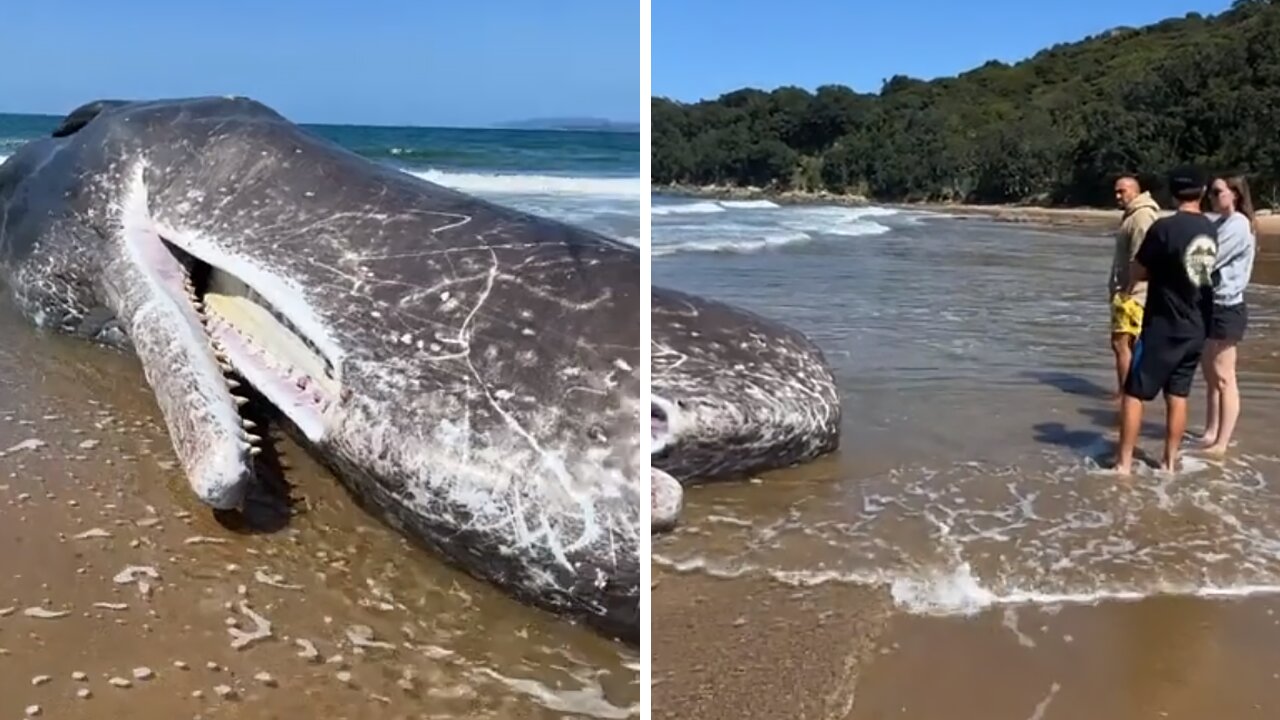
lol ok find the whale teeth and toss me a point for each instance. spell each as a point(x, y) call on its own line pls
point(248, 424)
point(252, 438)
point(255, 451)
point(232, 383)
point(239, 400)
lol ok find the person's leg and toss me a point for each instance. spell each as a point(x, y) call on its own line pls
point(1184, 356)
point(1122, 348)
point(1176, 420)
point(1213, 399)
point(1126, 325)
point(1224, 370)
point(1140, 385)
point(1130, 424)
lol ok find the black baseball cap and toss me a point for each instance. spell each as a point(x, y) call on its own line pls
point(1186, 177)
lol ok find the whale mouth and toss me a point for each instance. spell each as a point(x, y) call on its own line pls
point(201, 332)
point(256, 343)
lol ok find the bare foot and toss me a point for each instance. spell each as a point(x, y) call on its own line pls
point(1208, 438)
point(1214, 451)
point(1124, 469)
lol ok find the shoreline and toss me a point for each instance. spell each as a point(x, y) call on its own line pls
point(1074, 217)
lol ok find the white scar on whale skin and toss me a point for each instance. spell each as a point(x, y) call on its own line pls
point(508, 476)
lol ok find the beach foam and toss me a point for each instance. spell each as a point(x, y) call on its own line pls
point(967, 538)
point(747, 243)
point(697, 208)
point(752, 226)
point(748, 204)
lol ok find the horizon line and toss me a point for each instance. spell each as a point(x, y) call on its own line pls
point(635, 128)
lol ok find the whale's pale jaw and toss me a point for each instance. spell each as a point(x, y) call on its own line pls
point(200, 332)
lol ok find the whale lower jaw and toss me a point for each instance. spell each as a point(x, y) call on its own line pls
point(201, 332)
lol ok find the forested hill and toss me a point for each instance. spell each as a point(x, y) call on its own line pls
point(1053, 129)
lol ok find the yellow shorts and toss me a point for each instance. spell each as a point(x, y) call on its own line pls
point(1126, 315)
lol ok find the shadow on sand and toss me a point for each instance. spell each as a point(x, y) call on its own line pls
point(1070, 383)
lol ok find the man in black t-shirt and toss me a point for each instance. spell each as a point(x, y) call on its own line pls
point(1176, 259)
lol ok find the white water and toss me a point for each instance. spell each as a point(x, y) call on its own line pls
point(756, 226)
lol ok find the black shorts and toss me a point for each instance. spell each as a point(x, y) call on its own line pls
point(1229, 322)
point(1162, 363)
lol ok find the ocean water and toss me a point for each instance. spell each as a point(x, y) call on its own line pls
point(974, 366)
point(591, 179)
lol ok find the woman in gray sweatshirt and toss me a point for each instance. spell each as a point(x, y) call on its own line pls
point(1237, 245)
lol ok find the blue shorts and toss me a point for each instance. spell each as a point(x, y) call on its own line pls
point(1162, 363)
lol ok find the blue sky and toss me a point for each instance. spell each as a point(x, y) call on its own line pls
point(413, 62)
point(702, 48)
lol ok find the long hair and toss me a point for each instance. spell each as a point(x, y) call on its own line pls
point(1239, 187)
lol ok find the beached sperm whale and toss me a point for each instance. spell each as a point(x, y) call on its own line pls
point(733, 393)
point(469, 371)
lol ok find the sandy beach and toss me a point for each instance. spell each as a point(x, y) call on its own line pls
point(740, 648)
point(727, 649)
point(125, 597)
point(965, 555)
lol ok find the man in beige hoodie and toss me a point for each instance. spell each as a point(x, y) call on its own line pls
point(1140, 210)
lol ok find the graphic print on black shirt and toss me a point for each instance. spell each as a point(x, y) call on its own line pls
point(1179, 253)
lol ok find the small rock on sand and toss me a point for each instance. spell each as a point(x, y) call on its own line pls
point(40, 613)
point(143, 673)
point(88, 444)
point(225, 692)
point(266, 679)
point(120, 682)
point(6, 612)
point(344, 677)
point(32, 444)
point(79, 676)
point(91, 534)
point(181, 665)
point(40, 680)
point(84, 693)
point(33, 710)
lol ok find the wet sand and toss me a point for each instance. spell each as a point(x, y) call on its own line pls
point(90, 488)
point(1027, 627)
point(758, 649)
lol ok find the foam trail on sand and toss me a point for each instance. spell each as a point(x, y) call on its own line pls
point(967, 538)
